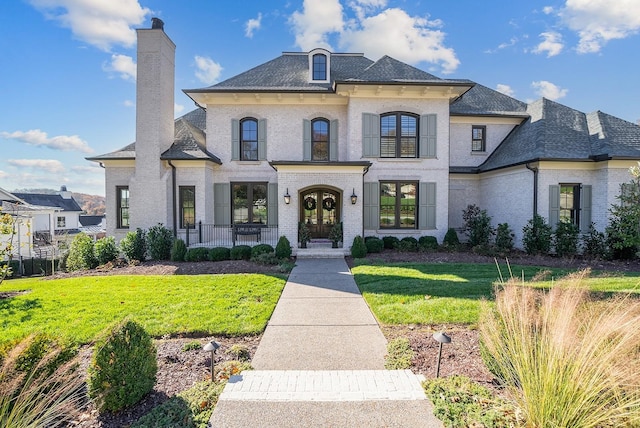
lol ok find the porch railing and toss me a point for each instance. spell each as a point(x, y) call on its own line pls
point(228, 235)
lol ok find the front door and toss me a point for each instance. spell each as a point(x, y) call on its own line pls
point(320, 210)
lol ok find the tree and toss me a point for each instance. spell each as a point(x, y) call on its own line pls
point(623, 231)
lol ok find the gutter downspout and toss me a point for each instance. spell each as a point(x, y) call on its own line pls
point(535, 188)
point(173, 201)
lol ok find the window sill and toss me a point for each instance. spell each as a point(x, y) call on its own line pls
point(404, 160)
point(479, 153)
point(248, 162)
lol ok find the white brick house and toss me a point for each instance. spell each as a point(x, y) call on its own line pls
point(293, 139)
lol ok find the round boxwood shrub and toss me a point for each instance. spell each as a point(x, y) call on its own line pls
point(219, 254)
point(359, 248)
point(283, 248)
point(198, 254)
point(178, 250)
point(261, 249)
point(81, 253)
point(105, 250)
point(159, 242)
point(408, 244)
point(390, 242)
point(374, 244)
point(428, 243)
point(241, 252)
point(123, 367)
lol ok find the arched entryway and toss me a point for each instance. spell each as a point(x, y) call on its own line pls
point(320, 210)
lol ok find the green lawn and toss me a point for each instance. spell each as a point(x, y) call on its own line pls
point(79, 308)
point(442, 293)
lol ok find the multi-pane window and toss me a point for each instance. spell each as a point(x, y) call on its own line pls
point(478, 139)
point(570, 203)
point(249, 202)
point(398, 136)
point(398, 205)
point(187, 206)
point(249, 139)
point(320, 140)
point(319, 67)
point(61, 222)
point(122, 207)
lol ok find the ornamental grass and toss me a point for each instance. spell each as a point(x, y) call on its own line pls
point(567, 359)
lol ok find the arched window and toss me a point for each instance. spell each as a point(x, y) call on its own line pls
point(319, 67)
point(249, 139)
point(399, 135)
point(320, 140)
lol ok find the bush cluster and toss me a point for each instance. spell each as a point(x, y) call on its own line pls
point(106, 250)
point(81, 254)
point(134, 245)
point(477, 226)
point(123, 367)
point(283, 248)
point(374, 244)
point(359, 248)
point(537, 236)
point(451, 240)
point(159, 242)
point(390, 242)
point(428, 243)
point(241, 252)
point(197, 254)
point(178, 250)
point(218, 254)
point(408, 244)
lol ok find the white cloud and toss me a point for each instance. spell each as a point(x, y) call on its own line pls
point(407, 38)
point(48, 165)
point(548, 90)
point(36, 137)
point(317, 20)
point(551, 44)
point(101, 23)
point(123, 65)
point(548, 10)
point(252, 25)
point(599, 21)
point(129, 103)
point(505, 89)
point(178, 108)
point(208, 70)
point(3, 174)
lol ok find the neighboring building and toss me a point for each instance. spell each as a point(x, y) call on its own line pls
point(381, 146)
point(93, 225)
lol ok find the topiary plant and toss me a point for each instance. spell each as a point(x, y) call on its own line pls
point(178, 250)
point(219, 254)
point(159, 242)
point(198, 254)
point(408, 244)
point(283, 248)
point(123, 367)
point(304, 235)
point(390, 242)
point(105, 250)
point(451, 240)
point(241, 252)
point(134, 245)
point(428, 243)
point(358, 249)
point(81, 254)
point(374, 244)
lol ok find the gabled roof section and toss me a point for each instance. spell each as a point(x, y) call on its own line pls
point(49, 200)
point(127, 152)
point(612, 137)
point(388, 70)
point(483, 101)
point(189, 144)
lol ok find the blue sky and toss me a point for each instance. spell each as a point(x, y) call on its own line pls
point(68, 66)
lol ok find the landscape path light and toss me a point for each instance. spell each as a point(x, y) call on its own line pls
point(211, 347)
point(441, 338)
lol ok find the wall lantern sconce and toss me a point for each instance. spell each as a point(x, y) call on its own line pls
point(441, 338)
point(287, 197)
point(211, 347)
point(354, 197)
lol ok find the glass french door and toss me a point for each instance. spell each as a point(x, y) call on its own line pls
point(320, 210)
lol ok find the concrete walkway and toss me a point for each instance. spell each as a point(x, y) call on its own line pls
point(320, 363)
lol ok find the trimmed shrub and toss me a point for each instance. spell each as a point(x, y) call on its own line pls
point(81, 254)
point(477, 226)
point(390, 242)
point(178, 250)
point(566, 238)
point(537, 236)
point(134, 245)
point(198, 254)
point(408, 244)
point(219, 254)
point(594, 244)
point(358, 249)
point(451, 240)
point(105, 250)
point(374, 244)
point(241, 252)
point(266, 259)
point(283, 248)
point(261, 249)
point(399, 354)
point(123, 367)
point(504, 239)
point(159, 242)
point(428, 243)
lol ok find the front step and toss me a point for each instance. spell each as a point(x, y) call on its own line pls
point(324, 385)
point(320, 253)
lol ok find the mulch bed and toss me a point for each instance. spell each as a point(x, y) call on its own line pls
point(178, 370)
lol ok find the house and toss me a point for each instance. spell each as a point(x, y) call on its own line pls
point(93, 225)
point(383, 147)
point(19, 239)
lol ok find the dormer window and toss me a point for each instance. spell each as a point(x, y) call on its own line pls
point(319, 66)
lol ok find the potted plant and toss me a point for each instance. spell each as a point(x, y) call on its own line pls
point(304, 235)
point(335, 235)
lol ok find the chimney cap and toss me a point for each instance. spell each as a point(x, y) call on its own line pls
point(157, 24)
point(63, 188)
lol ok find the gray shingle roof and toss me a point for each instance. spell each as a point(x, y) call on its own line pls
point(482, 101)
point(190, 144)
point(46, 200)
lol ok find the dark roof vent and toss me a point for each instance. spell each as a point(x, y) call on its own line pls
point(157, 24)
point(63, 188)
